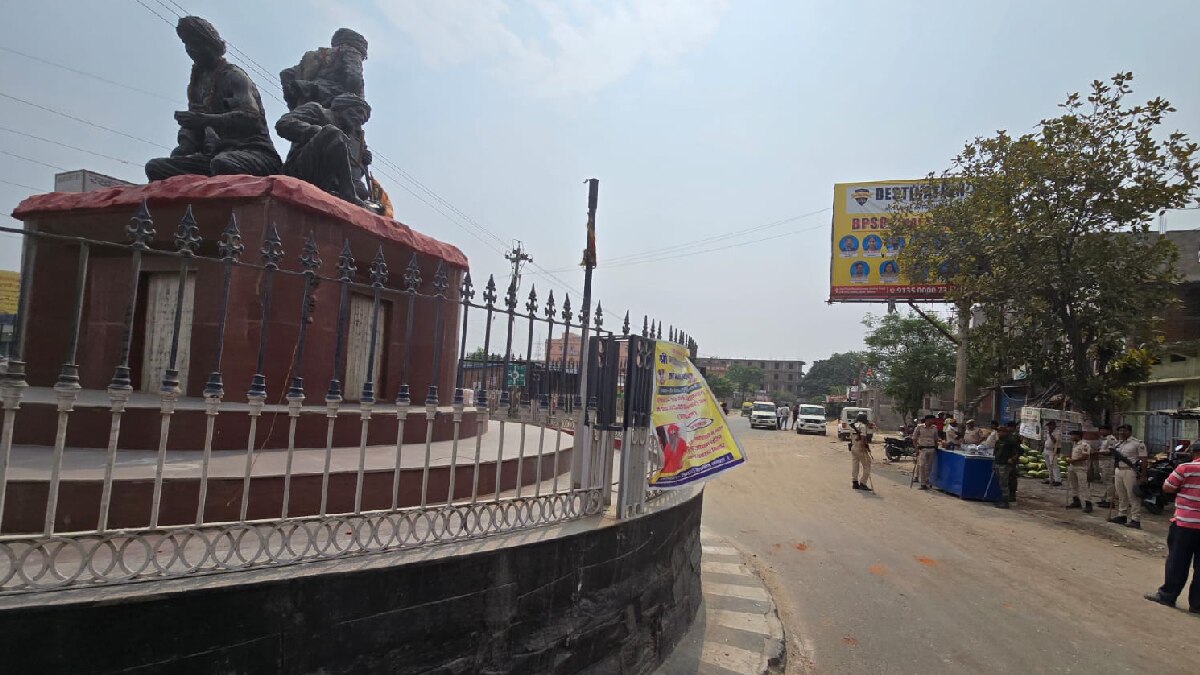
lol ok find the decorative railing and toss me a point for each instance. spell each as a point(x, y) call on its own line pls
point(533, 442)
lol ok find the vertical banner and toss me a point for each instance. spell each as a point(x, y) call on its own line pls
point(695, 439)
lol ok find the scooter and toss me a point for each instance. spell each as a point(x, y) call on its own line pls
point(895, 448)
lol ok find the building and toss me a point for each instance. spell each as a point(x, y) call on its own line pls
point(554, 347)
point(778, 375)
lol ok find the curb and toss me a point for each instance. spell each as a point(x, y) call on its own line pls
point(737, 628)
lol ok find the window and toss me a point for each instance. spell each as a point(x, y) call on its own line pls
point(161, 289)
point(776, 376)
point(791, 377)
point(358, 346)
point(791, 366)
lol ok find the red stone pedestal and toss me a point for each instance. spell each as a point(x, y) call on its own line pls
point(297, 209)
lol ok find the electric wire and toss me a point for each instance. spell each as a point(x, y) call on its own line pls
point(81, 120)
point(34, 161)
point(93, 76)
point(72, 147)
point(20, 185)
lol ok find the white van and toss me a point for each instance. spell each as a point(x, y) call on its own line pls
point(848, 415)
point(810, 419)
point(763, 414)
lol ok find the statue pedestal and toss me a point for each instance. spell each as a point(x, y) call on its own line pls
point(297, 209)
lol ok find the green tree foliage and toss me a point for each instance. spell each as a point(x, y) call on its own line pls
point(834, 374)
point(747, 379)
point(722, 387)
point(478, 355)
point(910, 358)
point(1049, 233)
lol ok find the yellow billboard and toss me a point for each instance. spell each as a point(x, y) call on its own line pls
point(10, 288)
point(863, 265)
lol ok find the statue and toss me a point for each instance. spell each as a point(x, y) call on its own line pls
point(329, 148)
point(324, 73)
point(224, 130)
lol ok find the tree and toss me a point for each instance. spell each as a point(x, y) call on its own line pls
point(834, 374)
point(721, 387)
point(1049, 233)
point(748, 379)
point(910, 358)
point(477, 355)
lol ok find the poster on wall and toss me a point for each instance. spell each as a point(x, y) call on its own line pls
point(692, 431)
point(863, 265)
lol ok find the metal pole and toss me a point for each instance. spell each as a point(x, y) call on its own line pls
point(960, 362)
point(589, 264)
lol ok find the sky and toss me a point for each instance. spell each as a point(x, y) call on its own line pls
point(717, 129)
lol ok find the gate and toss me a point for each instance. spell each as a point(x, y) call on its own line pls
point(1160, 429)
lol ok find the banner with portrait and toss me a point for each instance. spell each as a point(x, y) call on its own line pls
point(863, 266)
point(692, 432)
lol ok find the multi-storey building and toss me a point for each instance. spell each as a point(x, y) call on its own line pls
point(778, 375)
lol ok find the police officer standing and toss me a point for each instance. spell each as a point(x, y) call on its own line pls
point(1081, 454)
point(860, 452)
point(1127, 452)
point(925, 437)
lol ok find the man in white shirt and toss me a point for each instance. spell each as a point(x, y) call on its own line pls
point(993, 436)
point(1107, 469)
point(951, 431)
point(1127, 452)
point(781, 416)
point(1050, 452)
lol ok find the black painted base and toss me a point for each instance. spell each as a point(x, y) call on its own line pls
point(613, 599)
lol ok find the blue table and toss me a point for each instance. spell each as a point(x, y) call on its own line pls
point(965, 476)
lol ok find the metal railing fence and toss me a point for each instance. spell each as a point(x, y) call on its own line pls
point(513, 415)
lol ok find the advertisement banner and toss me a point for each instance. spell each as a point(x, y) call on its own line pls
point(692, 432)
point(10, 288)
point(863, 265)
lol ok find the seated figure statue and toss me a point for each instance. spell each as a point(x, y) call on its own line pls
point(326, 72)
point(224, 130)
point(329, 148)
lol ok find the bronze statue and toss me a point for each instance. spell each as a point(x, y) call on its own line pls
point(326, 72)
point(224, 130)
point(329, 148)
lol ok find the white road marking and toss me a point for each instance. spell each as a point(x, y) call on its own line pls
point(756, 593)
point(720, 550)
point(754, 623)
point(723, 568)
point(731, 658)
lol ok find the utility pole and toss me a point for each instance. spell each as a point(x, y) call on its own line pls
point(518, 257)
point(583, 434)
point(960, 362)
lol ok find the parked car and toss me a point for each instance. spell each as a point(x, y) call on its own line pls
point(763, 414)
point(810, 419)
point(848, 415)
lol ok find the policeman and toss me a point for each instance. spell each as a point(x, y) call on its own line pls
point(1081, 454)
point(1130, 454)
point(860, 452)
point(925, 437)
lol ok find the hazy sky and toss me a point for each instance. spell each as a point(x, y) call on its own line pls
point(701, 118)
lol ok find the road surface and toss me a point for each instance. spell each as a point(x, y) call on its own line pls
point(905, 581)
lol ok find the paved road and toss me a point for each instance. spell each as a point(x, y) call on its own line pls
point(904, 581)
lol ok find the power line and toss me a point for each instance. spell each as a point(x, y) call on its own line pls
point(429, 191)
point(84, 73)
point(72, 147)
point(719, 248)
point(682, 248)
point(81, 120)
point(30, 159)
point(180, 11)
point(20, 185)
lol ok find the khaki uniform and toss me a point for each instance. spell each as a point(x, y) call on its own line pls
point(972, 436)
point(1107, 470)
point(860, 457)
point(925, 438)
point(1077, 481)
point(1128, 503)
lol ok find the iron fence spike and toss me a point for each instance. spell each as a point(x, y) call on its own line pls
point(187, 237)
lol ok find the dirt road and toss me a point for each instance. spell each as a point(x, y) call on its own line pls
point(905, 581)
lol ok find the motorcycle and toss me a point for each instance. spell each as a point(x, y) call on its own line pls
point(895, 448)
point(1154, 499)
